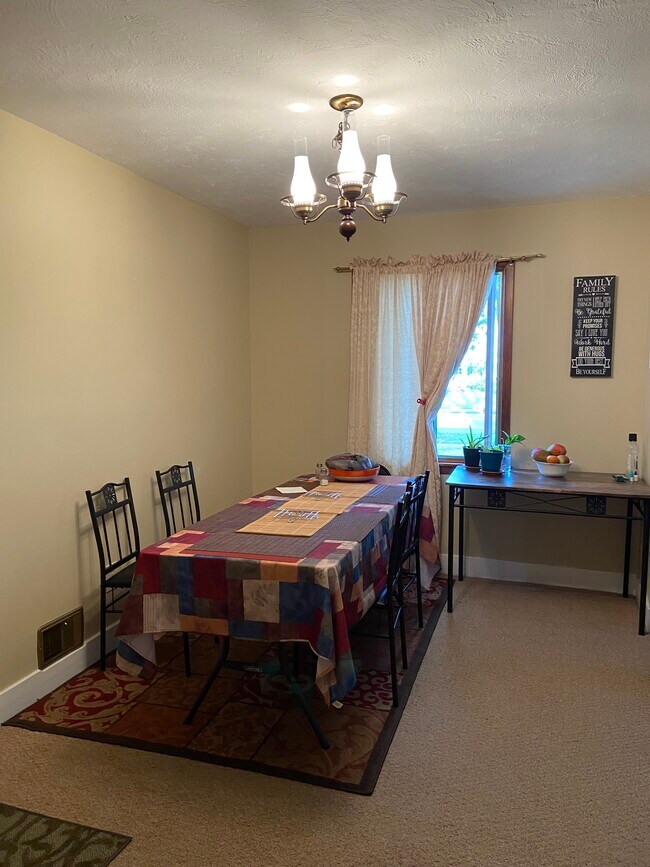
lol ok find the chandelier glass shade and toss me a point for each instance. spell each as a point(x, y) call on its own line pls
point(303, 186)
point(373, 192)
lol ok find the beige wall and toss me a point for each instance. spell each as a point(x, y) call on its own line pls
point(129, 340)
point(124, 341)
point(300, 355)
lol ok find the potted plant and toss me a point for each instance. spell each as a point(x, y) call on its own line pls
point(471, 446)
point(491, 458)
point(508, 441)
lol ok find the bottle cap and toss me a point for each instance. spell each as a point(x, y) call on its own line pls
point(632, 438)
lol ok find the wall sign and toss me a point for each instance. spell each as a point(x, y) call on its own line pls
point(593, 326)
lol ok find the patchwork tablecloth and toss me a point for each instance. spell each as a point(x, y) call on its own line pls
point(211, 579)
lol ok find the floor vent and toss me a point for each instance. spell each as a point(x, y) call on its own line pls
point(60, 637)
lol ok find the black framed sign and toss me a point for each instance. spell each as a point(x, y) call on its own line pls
point(592, 332)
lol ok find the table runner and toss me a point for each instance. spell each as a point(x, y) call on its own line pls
point(210, 579)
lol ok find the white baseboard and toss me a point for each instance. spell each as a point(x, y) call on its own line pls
point(541, 573)
point(24, 692)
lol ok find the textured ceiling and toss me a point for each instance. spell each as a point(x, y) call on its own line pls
point(498, 101)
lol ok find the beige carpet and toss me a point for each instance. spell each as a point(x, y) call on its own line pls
point(526, 741)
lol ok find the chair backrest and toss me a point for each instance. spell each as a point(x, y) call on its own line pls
point(418, 491)
point(399, 540)
point(115, 525)
point(179, 497)
point(384, 471)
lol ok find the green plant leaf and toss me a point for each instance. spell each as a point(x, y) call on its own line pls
point(512, 439)
point(471, 441)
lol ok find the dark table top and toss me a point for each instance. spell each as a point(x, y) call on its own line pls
point(574, 483)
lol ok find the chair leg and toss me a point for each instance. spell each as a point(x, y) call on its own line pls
point(186, 653)
point(418, 587)
point(102, 629)
point(402, 621)
point(391, 647)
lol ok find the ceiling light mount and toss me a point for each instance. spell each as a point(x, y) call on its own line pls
point(346, 102)
point(373, 192)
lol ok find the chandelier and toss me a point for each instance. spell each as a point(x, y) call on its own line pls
point(374, 192)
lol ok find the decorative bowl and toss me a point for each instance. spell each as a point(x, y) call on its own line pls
point(355, 475)
point(553, 469)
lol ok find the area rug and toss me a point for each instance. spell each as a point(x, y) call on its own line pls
point(28, 838)
point(247, 721)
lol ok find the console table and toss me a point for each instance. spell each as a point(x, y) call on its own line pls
point(586, 495)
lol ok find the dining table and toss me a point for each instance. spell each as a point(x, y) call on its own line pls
point(220, 577)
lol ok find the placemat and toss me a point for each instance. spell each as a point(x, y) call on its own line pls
point(289, 522)
point(335, 499)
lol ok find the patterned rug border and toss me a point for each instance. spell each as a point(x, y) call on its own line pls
point(373, 768)
point(125, 839)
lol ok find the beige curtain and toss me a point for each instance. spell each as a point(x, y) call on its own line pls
point(411, 325)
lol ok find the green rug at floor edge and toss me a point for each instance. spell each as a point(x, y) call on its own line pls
point(28, 838)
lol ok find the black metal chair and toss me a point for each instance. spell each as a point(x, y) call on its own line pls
point(418, 490)
point(118, 544)
point(177, 485)
point(393, 597)
point(177, 489)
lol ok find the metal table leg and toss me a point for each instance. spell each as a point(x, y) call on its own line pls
point(297, 691)
point(628, 547)
point(461, 535)
point(643, 588)
point(211, 679)
point(268, 669)
point(450, 551)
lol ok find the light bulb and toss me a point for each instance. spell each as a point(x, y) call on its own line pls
point(351, 166)
point(384, 185)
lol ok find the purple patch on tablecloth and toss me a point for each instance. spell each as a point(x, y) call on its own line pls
point(322, 550)
point(263, 502)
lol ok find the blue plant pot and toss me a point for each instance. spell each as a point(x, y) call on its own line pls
point(491, 461)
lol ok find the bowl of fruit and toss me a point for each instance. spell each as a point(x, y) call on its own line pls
point(552, 461)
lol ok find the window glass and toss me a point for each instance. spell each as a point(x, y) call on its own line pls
point(472, 397)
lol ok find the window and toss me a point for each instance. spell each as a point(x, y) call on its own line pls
point(478, 394)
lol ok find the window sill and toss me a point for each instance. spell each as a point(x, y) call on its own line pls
point(447, 465)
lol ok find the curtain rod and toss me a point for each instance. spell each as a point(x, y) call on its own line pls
point(502, 260)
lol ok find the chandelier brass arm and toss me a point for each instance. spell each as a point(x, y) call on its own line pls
point(370, 213)
point(319, 214)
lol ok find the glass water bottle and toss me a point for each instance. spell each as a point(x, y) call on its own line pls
point(632, 458)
